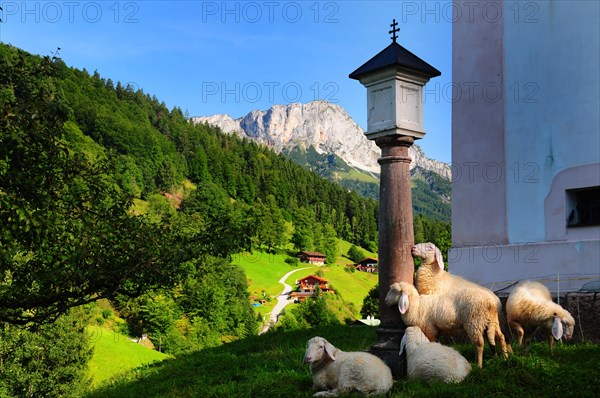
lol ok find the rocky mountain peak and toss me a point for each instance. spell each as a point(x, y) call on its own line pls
point(320, 124)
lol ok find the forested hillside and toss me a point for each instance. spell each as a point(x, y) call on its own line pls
point(155, 149)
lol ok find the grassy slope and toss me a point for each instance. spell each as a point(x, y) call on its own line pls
point(271, 366)
point(114, 353)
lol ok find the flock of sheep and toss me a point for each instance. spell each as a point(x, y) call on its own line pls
point(441, 304)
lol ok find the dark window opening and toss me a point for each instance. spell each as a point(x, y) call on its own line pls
point(583, 207)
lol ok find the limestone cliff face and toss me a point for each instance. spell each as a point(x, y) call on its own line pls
point(320, 124)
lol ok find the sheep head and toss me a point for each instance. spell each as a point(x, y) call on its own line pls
point(429, 253)
point(318, 349)
point(563, 326)
point(399, 294)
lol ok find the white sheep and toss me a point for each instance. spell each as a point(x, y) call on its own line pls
point(431, 276)
point(433, 279)
point(337, 371)
point(431, 361)
point(457, 311)
point(530, 306)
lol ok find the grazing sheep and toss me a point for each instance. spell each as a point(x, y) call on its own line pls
point(433, 279)
point(457, 311)
point(432, 361)
point(336, 371)
point(530, 306)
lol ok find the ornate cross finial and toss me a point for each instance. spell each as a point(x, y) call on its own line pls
point(394, 25)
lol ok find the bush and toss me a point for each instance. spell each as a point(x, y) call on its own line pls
point(355, 254)
point(293, 261)
point(323, 309)
point(371, 303)
point(107, 313)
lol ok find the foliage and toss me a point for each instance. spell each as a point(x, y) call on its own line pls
point(67, 235)
point(322, 309)
point(211, 304)
point(370, 305)
point(269, 224)
point(355, 254)
point(431, 195)
point(48, 362)
point(327, 243)
point(223, 227)
point(431, 192)
point(293, 261)
point(437, 232)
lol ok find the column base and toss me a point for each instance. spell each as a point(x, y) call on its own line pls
point(388, 349)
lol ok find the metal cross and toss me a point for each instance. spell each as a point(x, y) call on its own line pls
point(394, 25)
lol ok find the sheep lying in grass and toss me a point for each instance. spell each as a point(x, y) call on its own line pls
point(457, 311)
point(433, 279)
point(530, 306)
point(336, 371)
point(432, 361)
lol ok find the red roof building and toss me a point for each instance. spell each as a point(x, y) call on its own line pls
point(307, 287)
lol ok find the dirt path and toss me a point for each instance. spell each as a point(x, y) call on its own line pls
point(282, 301)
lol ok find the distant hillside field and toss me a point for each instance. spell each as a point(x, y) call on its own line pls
point(264, 270)
point(115, 353)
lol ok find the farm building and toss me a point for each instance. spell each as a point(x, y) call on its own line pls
point(315, 258)
point(368, 264)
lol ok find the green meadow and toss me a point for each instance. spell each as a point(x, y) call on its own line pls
point(115, 353)
point(271, 366)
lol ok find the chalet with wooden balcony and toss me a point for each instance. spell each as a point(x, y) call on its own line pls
point(307, 287)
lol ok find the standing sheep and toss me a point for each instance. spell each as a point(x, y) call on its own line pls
point(530, 306)
point(432, 361)
point(431, 276)
point(457, 311)
point(433, 279)
point(336, 371)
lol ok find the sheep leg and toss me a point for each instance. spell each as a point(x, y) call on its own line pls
point(551, 343)
point(491, 338)
point(504, 348)
point(495, 336)
point(520, 332)
point(479, 342)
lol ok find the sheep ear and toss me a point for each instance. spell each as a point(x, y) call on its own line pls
point(557, 328)
point(330, 349)
point(403, 303)
point(403, 343)
point(439, 258)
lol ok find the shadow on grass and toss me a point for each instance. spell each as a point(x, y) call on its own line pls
point(259, 366)
point(271, 366)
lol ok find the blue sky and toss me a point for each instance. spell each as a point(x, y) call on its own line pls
point(232, 57)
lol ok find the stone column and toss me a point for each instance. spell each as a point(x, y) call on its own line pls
point(394, 79)
point(396, 238)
